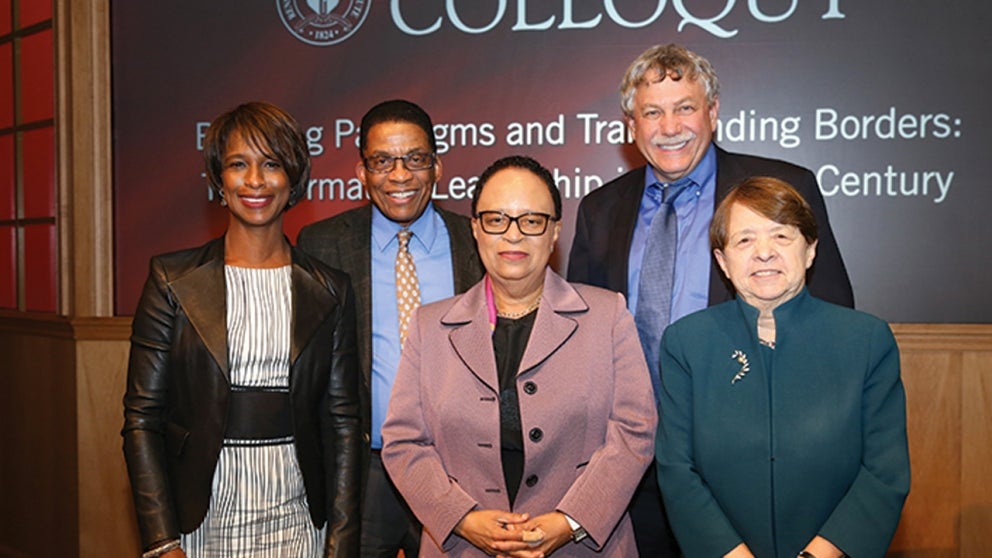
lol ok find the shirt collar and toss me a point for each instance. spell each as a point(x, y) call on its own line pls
point(424, 229)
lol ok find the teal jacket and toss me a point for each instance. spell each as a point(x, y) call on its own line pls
point(810, 438)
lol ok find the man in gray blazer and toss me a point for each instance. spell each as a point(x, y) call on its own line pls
point(670, 98)
point(398, 167)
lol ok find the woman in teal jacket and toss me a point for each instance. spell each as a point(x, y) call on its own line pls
point(783, 417)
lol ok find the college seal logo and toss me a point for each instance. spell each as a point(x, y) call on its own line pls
point(323, 22)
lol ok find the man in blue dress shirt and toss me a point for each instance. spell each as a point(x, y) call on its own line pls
point(670, 100)
point(399, 166)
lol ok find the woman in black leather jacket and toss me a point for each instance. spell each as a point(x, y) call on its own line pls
point(241, 418)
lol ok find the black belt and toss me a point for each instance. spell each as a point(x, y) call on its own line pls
point(258, 414)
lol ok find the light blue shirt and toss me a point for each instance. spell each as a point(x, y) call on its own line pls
point(430, 247)
point(694, 208)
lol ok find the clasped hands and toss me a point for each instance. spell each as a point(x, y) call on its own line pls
point(514, 535)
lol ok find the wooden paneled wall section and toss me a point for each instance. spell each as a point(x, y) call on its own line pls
point(65, 489)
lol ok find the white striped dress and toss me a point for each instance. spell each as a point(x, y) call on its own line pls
point(258, 507)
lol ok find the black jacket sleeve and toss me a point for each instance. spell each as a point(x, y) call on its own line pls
point(145, 410)
point(342, 430)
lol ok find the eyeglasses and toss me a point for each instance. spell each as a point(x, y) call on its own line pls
point(416, 161)
point(529, 224)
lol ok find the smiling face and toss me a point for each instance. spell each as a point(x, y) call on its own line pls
point(672, 124)
point(401, 194)
point(765, 260)
point(255, 185)
point(513, 257)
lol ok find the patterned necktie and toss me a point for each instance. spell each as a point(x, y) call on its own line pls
point(654, 298)
point(407, 286)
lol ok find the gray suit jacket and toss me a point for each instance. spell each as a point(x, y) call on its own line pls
point(344, 242)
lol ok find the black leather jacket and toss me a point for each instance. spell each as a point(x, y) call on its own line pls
point(175, 408)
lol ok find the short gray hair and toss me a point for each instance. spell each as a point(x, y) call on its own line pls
point(671, 61)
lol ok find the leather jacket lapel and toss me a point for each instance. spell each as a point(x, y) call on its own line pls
point(202, 295)
point(312, 303)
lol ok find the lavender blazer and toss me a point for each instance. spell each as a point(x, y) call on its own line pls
point(586, 406)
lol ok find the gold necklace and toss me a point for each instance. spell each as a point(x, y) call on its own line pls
point(514, 315)
point(522, 313)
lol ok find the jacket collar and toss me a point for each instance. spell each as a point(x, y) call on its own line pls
point(202, 294)
point(313, 302)
point(471, 335)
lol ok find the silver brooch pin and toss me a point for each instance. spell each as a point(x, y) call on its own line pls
point(741, 359)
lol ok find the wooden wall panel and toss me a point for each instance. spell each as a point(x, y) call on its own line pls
point(103, 488)
point(38, 491)
point(976, 455)
point(929, 523)
point(947, 371)
point(84, 158)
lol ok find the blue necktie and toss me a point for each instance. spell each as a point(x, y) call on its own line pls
point(654, 298)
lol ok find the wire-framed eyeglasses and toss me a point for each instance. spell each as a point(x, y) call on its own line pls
point(529, 224)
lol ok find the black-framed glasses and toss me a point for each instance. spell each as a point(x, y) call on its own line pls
point(529, 224)
point(416, 161)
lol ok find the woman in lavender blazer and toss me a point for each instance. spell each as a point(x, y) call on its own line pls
point(522, 416)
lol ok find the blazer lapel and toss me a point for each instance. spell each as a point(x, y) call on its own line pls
point(551, 329)
point(728, 175)
point(471, 335)
point(312, 303)
point(356, 258)
point(202, 295)
point(465, 263)
point(624, 219)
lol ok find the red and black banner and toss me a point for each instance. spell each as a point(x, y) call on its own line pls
point(883, 99)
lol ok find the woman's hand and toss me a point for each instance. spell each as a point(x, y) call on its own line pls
point(822, 548)
point(739, 551)
point(487, 528)
point(556, 533)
